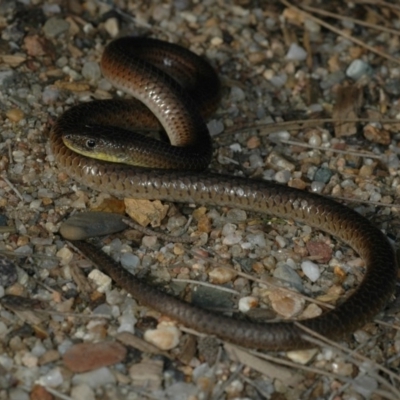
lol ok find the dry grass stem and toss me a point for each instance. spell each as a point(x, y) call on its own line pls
point(356, 21)
point(342, 33)
point(338, 151)
point(378, 3)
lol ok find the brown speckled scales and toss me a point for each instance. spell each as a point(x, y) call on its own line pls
point(259, 196)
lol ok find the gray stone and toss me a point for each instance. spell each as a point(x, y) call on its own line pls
point(287, 274)
point(55, 26)
point(88, 224)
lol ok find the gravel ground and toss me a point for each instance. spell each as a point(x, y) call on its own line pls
point(288, 80)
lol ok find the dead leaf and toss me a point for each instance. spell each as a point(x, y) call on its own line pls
point(349, 99)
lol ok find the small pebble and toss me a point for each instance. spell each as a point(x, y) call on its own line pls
point(317, 187)
point(29, 360)
point(277, 137)
point(181, 391)
point(146, 212)
point(181, 5)
point(357, 69)
point(315, 141)
point(83, 391)
point(257, 58)
point(361, 336)
point(281, 241)
point(95, 379)
point(228, 229)
point(279, 80)
point(176, 222)
point(311, 311)
point(283, 176)
point(332, 79)
point(15, 114)
point(49, 357)
point(285, 303)
point(127, 319)
point(55, 26)
point(17, 394)
point(40, 392)
point(220, 275)
point(342, 368)
point(364, 384)
point(297, 183)
point(287, 274)
point(217, 41)
point(276, 160)
point(204, 224)
point(268, 175)
point(101, 280)
point(129, 261)
point(253, 142)
point(237, 94)
point(215, 127)
point(366, 171)
point(236, 215)
point(323, 175)
point(19, 156)
point(65, 255)
point(315, 108)
point(247, 303)
point(320, 250)
point(52, 378)
point(6, 78)
point(91, 71)
point(236, 147)
point(112, 27)
point(64, 346)
point(257, 239)
point(34, 45)
point(302, 356)
point(161, 12)
point(150, 242)
point(376, 134)
point(200, 371)
point(234, 389)
point(391, 85)
point(256, 161)
point(312, 26)
point(148, 373)
point(232, 238)
point(164, 337)
point(296, 53)
point(311, 270)
point(51, 8)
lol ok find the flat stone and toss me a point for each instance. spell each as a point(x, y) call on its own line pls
point(88, 224)
point(148, 373)
point(84, 357)
point(94, 379)
point(287, 274)
point(55, 26)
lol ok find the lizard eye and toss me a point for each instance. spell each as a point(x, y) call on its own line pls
point(90, 143)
